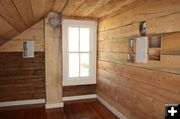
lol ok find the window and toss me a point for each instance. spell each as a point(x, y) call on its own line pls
point(79, 52)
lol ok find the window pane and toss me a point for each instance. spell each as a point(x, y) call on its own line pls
point(84, 39)
point(73, 39)
point(84, 64)
point(73, 65)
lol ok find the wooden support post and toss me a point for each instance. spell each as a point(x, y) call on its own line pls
point(53, 69)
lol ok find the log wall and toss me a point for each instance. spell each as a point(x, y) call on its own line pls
point(140, 91)
point(79, 90)
point(23, 78)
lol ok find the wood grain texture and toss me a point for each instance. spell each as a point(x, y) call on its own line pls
point(149, 11)
point(79, 90)
point(93, 8)
point(18, 15)
point(124, 8)
point(21, 79)
point(9, 12)
point(139, 91)
point(53, 58)
point(6, 30)
point(110, 7)
point(59, 5)
point(168, 63)
point(79, 18)
point(35, 33)
point(89, 109)
point(116, 50)
point(32, 112)
point(153, 77)
point(171, 44)
point(84, 7)
point(25, 10)
point(71, 6)
point(41, 8)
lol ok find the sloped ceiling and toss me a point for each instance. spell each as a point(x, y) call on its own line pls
point(93, 8)
point(18, 15)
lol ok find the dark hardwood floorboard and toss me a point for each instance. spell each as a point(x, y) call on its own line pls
point(87, 109)
point(84, 109)
point(31, 112)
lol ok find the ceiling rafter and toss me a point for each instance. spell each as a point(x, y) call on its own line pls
point(9, 12)
point(18, 12)
point(21, 14)
point(10, 23)
point(25, 10)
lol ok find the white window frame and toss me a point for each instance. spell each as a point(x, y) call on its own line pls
point(66, 23)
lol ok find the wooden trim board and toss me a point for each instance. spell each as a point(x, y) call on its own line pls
point(80, 97)
point(55, 105)
point(112, 109)
point(58, 105)
point(22, 102)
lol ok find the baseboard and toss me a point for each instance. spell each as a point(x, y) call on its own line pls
point(80, 97)
point(112, 109)
point(22, 102)
point(55, 105)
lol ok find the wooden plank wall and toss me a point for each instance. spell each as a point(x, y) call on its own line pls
point(23, 78)
point(18, 15)
point(79, 90)
point(139, 91)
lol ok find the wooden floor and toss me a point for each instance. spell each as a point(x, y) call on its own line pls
point(88, 109)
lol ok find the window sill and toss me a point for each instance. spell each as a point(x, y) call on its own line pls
point(78, 82)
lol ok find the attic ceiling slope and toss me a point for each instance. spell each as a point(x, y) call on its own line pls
point(18, 15)
point(93, 8)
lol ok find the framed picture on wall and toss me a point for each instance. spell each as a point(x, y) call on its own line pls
point(141, 50)
point(155, 48)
